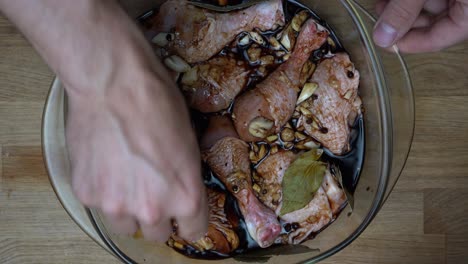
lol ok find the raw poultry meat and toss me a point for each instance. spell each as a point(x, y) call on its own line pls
point(228, 157)
point(335, 105)
point(264, 110)
point(200, 33)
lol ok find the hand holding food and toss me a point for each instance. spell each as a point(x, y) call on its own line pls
point(133, 152)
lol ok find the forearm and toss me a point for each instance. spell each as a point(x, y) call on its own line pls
point(82, 41)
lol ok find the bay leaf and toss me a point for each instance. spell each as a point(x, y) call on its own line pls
point(302, 180)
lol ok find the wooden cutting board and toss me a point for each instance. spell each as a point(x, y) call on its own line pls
point(424, 221)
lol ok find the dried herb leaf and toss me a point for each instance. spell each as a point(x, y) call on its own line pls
point(301, 180)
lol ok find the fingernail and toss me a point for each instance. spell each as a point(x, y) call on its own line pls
point(384, 34)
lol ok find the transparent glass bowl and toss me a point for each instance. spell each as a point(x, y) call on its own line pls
point(389, 123)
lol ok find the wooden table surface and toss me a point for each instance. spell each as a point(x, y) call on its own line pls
point(424, 221)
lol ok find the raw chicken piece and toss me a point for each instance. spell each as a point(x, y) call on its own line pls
point(271, 172)
point(312, 218)
point(265, 109)
point(220, 236)
point(211, 86)
point(335, 193)
point(228, 157)
point(200, 33)
point(327, 201)
point(335, 105)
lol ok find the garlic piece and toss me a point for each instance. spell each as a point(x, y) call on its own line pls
point(162, 39)
point(256, 188)
point(244, 40)
point(288, 145)
point(274, 149)
point(259, 127)
point(287, 135)
point(305, 111)
point(296, 114)
point(298, 20)
point(267, 59)
point(254, 54)
point(262, 152)
point(307, 70)
point(331, 43)
point(299, 136)
point(272, 138)
point(348, 94)
point(285, 41)
point(307, 91)
point(178, 245)
point(190, 77)
point(177, 64)
point(257, 38)
point(311, 145)
point(274, 44)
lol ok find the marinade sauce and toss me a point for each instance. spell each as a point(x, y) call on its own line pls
point(349, 164)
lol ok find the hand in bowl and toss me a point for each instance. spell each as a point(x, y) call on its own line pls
point(132, 150)
point(421, 25)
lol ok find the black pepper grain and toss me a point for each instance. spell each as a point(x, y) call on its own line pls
point(295, 226)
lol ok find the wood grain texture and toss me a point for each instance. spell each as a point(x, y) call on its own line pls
point(424, 220)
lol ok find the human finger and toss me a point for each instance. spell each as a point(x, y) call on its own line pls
point(435, 6)
point(126, 225)
point(396, 20)
point(442, 34)
point(193, 223)
point(159, 232)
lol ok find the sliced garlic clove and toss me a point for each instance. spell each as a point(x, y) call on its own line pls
point(311, 145)
point(259, 127)
point(272, 138)
point(274, 43)
point(257, 38)
point(256, 188)
point(262, 152)
point(307, 91)
point(162, 39)
point(190, 77)
point(267, 60)
point(306, 112)
point(177, 64)
point(298, 20)
point(285, 41)
point(274, 149)
point(348, 94)
point(299, 136)
point(244, 41)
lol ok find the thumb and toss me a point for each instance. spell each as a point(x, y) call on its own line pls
point(396, 20)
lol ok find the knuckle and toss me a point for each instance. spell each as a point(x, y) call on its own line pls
point(401, 14)
point(399, 10)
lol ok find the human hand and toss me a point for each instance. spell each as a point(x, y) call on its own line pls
point(132, 149)
point(421, 25)
point(134, 155)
